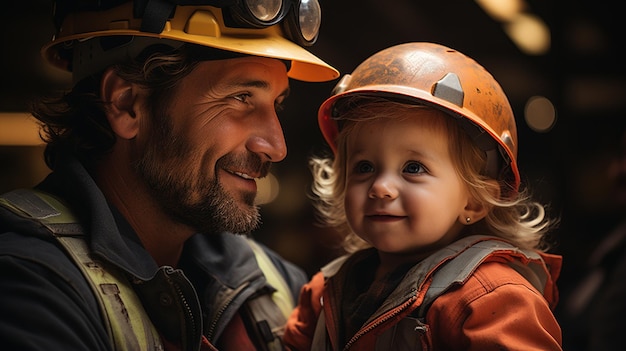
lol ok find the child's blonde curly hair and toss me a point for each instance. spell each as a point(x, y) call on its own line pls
point(516, 218)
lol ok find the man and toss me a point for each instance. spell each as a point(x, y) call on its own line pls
point(128, 243)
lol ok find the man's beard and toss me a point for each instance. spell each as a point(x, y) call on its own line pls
point(173, 173)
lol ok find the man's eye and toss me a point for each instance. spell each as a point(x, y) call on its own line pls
point(242, 97)
point(414, 168)
point(364, 167)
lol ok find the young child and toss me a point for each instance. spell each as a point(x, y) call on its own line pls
point(448, 252)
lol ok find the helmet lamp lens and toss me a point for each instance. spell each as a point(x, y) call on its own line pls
point(309, 19)
point(264, 10)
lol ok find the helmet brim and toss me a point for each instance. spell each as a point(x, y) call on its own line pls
point(200, 25)
point(329, 127)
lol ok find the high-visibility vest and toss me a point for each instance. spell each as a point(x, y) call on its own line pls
point(127, 323)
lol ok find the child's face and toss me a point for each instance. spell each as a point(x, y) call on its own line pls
point(403, 195)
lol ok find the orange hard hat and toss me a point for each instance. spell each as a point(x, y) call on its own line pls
point(437, 76)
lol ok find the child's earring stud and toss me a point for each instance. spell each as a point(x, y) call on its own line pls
point(467, 220)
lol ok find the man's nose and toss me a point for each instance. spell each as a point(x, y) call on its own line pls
point(268, 140)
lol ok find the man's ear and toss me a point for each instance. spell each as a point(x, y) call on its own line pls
point(476, 210)
point(119, 97)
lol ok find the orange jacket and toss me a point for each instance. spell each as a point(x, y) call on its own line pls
point(495, 308)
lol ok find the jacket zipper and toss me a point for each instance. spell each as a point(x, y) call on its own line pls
point(220, 312)
point(381, 320)
point(194, 331)
point(211, 329)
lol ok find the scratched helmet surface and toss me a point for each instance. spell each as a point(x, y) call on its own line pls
point(437, 76)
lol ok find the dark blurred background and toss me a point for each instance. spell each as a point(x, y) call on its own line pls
point(578, 72)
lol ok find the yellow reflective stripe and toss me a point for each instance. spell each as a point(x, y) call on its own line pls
point(128, 322)
point(282, 296)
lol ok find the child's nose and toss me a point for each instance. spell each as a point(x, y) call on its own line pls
point(383, 187)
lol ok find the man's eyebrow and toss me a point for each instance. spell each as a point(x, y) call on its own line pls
point(261, 84)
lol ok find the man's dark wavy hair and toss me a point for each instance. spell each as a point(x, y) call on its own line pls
point(75, 121)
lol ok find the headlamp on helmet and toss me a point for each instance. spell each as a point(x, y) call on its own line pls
point(301, 18)
point(266, 28)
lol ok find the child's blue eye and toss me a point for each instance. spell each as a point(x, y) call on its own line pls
point(414, 168)
point(364, 167)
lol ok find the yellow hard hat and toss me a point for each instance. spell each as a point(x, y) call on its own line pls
point(437, 76)
point(249, 27)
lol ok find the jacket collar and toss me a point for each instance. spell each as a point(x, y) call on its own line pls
point(225, 257)
point(111, 237)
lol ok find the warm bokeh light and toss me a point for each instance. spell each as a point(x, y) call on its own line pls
point(502, 10)
point(529, 33)
point(267, 189)
point(18, 129)
point(540, 114)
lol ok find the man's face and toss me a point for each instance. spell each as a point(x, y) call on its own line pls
point(220, 132)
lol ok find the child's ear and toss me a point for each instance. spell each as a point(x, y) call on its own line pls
point(119, 97)
point(475, 210)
